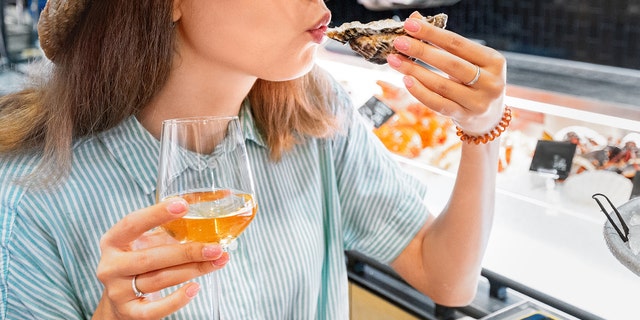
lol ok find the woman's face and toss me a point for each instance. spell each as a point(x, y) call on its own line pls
point(269, 39)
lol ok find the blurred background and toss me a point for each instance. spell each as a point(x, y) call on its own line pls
point(604, 32)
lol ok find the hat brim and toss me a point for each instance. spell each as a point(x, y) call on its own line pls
point(57, 20)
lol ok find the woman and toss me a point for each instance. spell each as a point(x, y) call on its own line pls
point(79, 161)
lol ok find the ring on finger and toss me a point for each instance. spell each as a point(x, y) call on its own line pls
point(475, 78)
point(136, 291)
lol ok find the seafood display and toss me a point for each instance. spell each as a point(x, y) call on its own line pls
point(595, 152)
point(416, 131)
point(413, 127)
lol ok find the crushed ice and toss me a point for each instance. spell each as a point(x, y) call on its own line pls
point(634, 233)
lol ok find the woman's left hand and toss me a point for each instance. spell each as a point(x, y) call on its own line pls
point(475, 105)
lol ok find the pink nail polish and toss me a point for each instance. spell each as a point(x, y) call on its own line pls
point(211, 251)
point(394, 61)
point(412, 25)
point(177, 206)
point(401, 43)
point(193, 290)
point(222, 261)
point(408, 81)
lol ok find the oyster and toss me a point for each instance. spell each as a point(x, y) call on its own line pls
point(374, 40)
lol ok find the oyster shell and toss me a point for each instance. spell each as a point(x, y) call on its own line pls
point(374, 40)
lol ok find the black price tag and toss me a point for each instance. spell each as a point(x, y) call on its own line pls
point(376, 111)
point(553, 158)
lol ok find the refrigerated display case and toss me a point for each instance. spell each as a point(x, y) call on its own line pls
point(547, 245)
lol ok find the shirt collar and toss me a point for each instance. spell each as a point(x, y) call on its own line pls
point(249, 128)
point(137, 150)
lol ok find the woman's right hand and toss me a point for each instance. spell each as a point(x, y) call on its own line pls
point(160, 262)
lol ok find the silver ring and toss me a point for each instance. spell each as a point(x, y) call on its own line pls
point(476, 78)
point(136, 291)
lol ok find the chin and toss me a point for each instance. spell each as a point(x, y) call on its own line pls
point(296, 67)
point(302, 72)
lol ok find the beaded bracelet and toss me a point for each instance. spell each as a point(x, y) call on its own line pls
point(491, 135)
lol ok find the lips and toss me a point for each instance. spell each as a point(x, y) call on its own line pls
point(324, 21)
point(318, 30)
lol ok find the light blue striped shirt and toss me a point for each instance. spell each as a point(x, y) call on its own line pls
point(324, 197)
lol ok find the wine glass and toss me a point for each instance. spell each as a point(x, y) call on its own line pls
point(204, 161)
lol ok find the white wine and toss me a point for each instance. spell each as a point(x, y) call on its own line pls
point(217, 216)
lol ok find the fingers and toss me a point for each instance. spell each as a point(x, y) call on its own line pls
point(156, 281)
point(120, 292)
point(159, 267)
point(456, 62)
point(163, 257)
point(454, 66)
point(153, 238)
point(451, 53)
point(159, 279)
point(441, 91)
point(137, 223)
point(451, 42)
point(418, 29)
point(161, 308)
point(156, 260)
point(438, 92)
point(437, 102)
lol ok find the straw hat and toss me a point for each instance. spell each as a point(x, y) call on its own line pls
point(57, 20)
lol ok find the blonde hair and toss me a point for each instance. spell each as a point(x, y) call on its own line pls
point(117, 59)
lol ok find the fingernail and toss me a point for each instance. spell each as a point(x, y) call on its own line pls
point(408, 81)
point(412, 25)
point(416, 15)
point(193, 290)
point(394, 61)
point(221, 261)
point(401, 43)
point(177, 205)
point(211, 251)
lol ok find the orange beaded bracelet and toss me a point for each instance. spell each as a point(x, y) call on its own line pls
point(491, 135)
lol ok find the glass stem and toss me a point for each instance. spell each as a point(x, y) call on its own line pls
point(213, 282)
